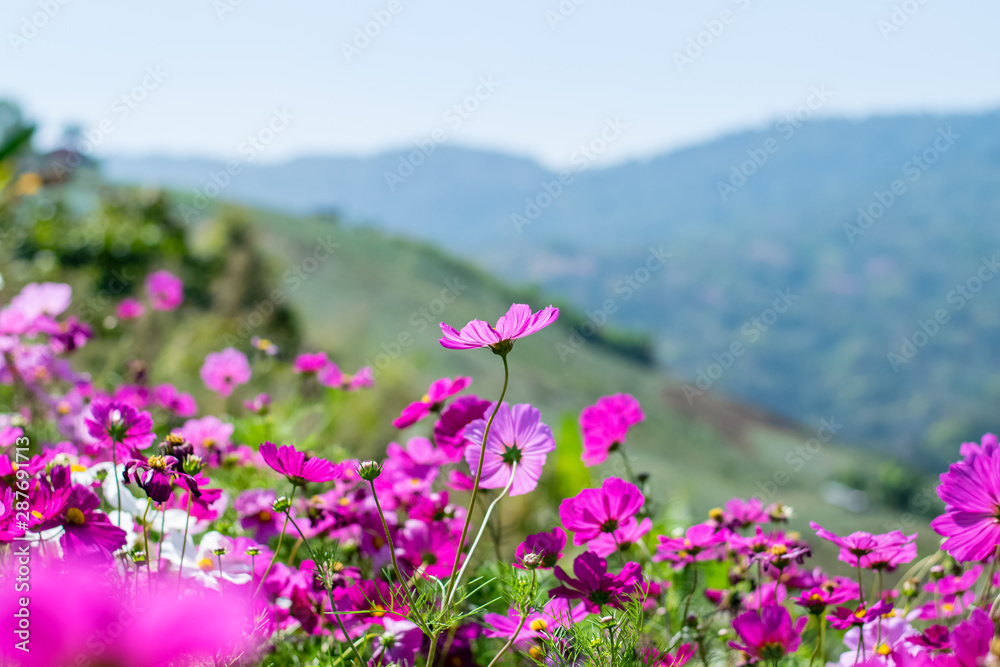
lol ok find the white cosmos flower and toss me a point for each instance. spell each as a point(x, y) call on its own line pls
point(201, 563)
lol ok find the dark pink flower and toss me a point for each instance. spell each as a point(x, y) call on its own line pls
point(595, 585)
point(449, 431)
point(843, 618)
point(224, 371)
point(622, 539)
point(398, 644)
point(971, 494)
point(298, 467)
point(859, 544)
point(516, 436)
point(768, 634)
point(157, 474)
point(539, 625)
point(546, 547)
point(701, 542)
point(607, 509)
point(517, 323)
point(166, 291)
point(86, 530)
point(433, 400)
point(655, 658)
point(605, 426)
point(255, 508)
point(115, 421)
point(130, 309)
point(168, 398)
point(259, 404)
point(310, 363)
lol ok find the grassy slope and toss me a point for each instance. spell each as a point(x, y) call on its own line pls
point(362, 299)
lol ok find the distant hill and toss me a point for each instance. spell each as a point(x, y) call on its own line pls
point(853, 288)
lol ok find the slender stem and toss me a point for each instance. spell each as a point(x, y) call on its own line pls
point(479, 535)
point(628, 464)
point(861, 629)
point(329, 593)
point(819, 639)
point(163, 523)
point(184, 542)
point(395, 563)
point(114, 462)
point(278, 547)
point(694, 587)
point(520, 625)
point(984, 595)
point(145, 541)
point(475, 486)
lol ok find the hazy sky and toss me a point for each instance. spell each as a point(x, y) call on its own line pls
point(226, 65)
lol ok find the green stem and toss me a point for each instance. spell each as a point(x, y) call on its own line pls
point(479, 535)
point(819, 639)
point(520, 625)
point(694, 587)
point(114, 462)
point(281, 537)
point(145, 542)
point(326, 585)
point(395, 564)
point(628, 465)
point(184, 542)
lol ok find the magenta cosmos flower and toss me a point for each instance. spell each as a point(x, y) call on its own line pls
point(298, 467)
point(971, 494)
point(433, 400)
point(593, 512)
point(595, 586)
point(545, 548)
point(516, 436)
point(768, 634)
point(166, 291)
point(224, 371)
point(701, 542)
point(517, 323)
point(116, 421)
point(310, 363)
point(130, 309)
point(449, 431)
point(605, 426)
point(855, 546)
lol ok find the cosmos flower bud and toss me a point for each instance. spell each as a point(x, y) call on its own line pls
point(911, 587)
point(937, 572)
point(607, 620)
point(252, 551)
point(139, 557)
point(370, 470)
point(531, 561)
point(282, 504)
point(193, 464)
point(219, 551)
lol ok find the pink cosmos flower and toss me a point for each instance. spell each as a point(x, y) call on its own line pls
point(130, 309)
point(449, 431)
point(330, 375)
point(298, 467)
point(433, 400)
point(700, 542)
point(621, 539)
point(365, 377)
point(86, 530)
point(166, 291)
point(680, 658)
point(398, 644)
point(547, 547)
point(768, 634)
point(34, 307)
point(605, 510)
point(971, 494)
point(114, 421)
point(516, 436)
point(538, 625)
point(605, 426)
point(79, 617)
point(855, 546)
point(595, 586)
point(517, 323)
point(310, 363)
point(843, 618)
point(168, 398)
point(258, 404)
point(224, 371)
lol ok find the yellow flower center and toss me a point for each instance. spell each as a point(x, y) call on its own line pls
point(209, 443)
point(344, 502)
point(779, 550)
point(860, 613)
point(378, 542)
point(425, 399)
point(263, 516)
point(884, 649)
point(715, 513)
point(536, 653)
point(76, 467)
point(206, 564)
point(378, 611)
point(539, 625)
point(75, 516)
point(63, 408)
point(157, 463)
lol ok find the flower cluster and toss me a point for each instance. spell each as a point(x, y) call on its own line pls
point(158, 533)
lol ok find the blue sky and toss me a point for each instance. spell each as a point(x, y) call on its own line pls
point(557, 77)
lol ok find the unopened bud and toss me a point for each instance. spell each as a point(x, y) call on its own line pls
point(219, 551)
point(252, 551)
point(937, 572)
point(531, 561)
point(691, 621)
point(282, 504)
point(369, 470)
point(911, 587)
point(193, 464)
point(607, 620)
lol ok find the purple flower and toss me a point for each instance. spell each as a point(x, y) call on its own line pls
point(166, 291)
point(621, 539)
point(593, 512)
point(223, 371)
point(768, 634)
point(130, 309)
point(859, 544)
point(971, 494)
point(516, 436)
point(546, 547)
point(700, 542)
point(256, 513)
point(843, 618)
point(156, 474)
point(209, 435)
point(168, 398)
point(595, 586)
point(115, 421)
point(605, 425)
point(517, 323)
point(433, 400)
point(259, 404)
point(310, 363)
point(539, 625)
point(86, 530)
point(297, 466)
point(398, 644)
